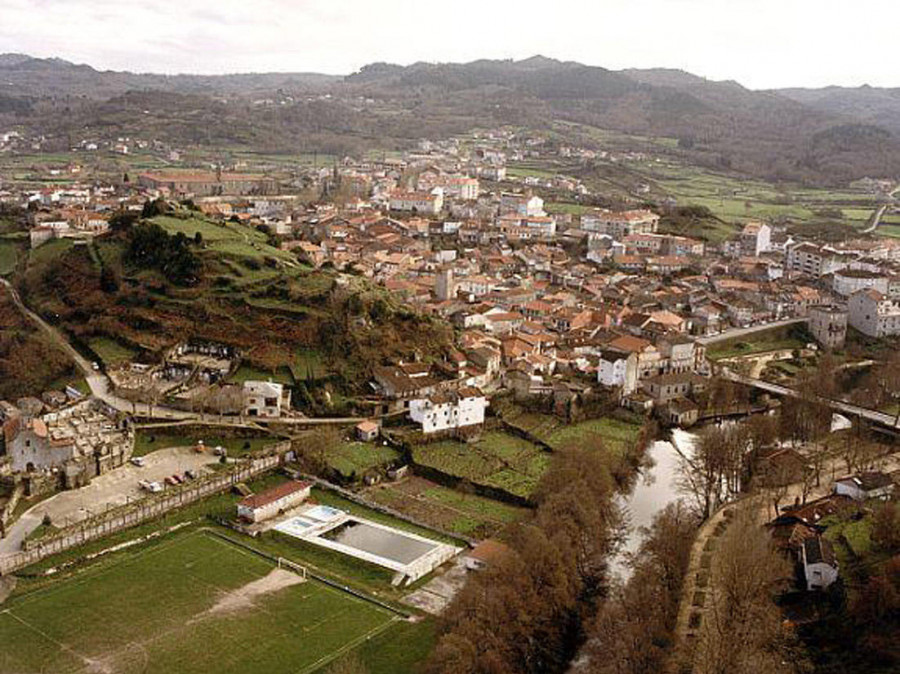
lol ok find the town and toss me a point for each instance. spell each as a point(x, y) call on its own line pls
point(357, 394)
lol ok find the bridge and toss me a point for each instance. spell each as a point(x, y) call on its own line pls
point(880, 418)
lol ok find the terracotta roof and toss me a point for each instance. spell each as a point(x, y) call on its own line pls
point(274, 494)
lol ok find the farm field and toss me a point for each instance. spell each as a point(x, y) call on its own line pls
point(356, 458)
point(451, 510)
point(180, 607)
point(110, 351)
point(497, 460)
point(610, 433)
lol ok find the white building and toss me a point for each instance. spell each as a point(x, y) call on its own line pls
point(845, 282)
point(618, 369)
point(865, 486)
point(265, 399)
point(429, 203)
point(271, 502)
point(620, 224)
point(820, 567)
point(807, 258)
point(756, 238)
point(446, 411)
point(874, 314)
point(828, 325)
point(524, 205)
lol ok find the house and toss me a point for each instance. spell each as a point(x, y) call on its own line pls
point(620, 224)
point(367, 431)
point(820, 567)
point(271, 502)
point(828, 325)
point(451, 410)
point(865, 486)
point(681, 412)
point(755, 239)
point(208, 184)
point(486, 553)
point(265, 399)
point(430, 203)
point(874, 314)
point(665, 387)
point(618, 368)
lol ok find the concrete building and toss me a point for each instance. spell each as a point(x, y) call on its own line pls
point(874, 314)
point(523, 205)
point(618, 368)
point(265, 399)
point(755, 239)
point(429, 203)
point(271, 502)
point(845, 282)
point(444, 286)
point(620, 224)
point(451, 410)
point(808, 258)
point(828, 325)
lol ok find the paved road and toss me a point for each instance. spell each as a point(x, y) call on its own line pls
point(735, 333)
point(111, 489)
point(879, 213)
point(889, 420)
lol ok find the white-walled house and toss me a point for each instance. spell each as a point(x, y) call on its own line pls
point(446, 411)
point(874, 314)
point(865, 486)
point(618, 369)
point(265, 399)
point(820, 567)
point(271, 502)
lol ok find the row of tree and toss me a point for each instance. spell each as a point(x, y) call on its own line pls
point(525, 613)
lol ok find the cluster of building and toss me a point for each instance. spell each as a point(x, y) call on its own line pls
point(70, 442)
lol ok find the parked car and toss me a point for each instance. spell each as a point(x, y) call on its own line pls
point(171, 481)
point(177, 479)
point(190, 474)
point(220, 451)
point(138, 461)
point(152, 487)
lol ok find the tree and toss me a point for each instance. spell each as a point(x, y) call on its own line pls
point(886, 527)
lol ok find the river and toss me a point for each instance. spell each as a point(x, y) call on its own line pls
point(655, 488)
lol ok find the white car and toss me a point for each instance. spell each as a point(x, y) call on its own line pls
point(138, 461)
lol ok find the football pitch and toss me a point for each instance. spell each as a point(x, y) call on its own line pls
point(194, 604)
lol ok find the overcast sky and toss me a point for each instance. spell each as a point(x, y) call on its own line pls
point(760, 43)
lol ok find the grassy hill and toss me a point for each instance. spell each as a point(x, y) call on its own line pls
point(279, 313)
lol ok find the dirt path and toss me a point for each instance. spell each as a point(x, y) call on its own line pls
point(244, 597)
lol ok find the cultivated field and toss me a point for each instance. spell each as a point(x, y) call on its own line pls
point(449, 509)
point(496, 460)
point(194, 604)
point(356, 458)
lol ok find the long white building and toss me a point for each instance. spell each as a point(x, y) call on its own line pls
point(446, 411)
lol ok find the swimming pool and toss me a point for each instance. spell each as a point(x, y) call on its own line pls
point(378, 541)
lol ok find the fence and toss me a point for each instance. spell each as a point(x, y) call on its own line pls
point(141, 511)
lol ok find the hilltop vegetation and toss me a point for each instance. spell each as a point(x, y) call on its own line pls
point(225, 284)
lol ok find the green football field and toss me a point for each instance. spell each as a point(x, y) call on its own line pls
point(195, 604)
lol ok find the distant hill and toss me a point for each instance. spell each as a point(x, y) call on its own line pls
point(778, 135)
point(868, 104)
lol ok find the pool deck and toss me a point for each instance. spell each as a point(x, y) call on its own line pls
point(310, 523)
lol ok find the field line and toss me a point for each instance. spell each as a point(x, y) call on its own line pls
point(318, 664)
point(46, 636)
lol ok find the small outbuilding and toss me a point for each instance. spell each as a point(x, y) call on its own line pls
point(820, 567)
point(367, 431)
point(271, 502)
point(865, 486)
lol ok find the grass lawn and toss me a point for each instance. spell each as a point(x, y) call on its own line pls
point(250, 373)
point(154, 612)
point(110, 351)
point(496, 460)
point(448, 509)
point(776, 339)
point(355, 458)
point(612, 435)
point(9, 253)
point(147, 441)
point(49, 251)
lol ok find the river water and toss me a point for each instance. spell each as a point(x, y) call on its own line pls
point(655, 489)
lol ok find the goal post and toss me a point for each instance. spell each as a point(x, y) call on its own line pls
point(292, 566)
